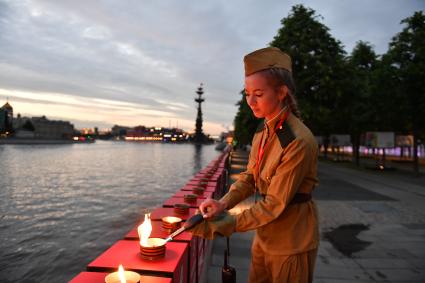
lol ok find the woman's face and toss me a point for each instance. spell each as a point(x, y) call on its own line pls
point(262, 97)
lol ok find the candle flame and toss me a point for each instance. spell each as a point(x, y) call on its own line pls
point(121, 274)
point(144, 230)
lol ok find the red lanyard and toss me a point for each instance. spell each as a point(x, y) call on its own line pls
point(261, 149)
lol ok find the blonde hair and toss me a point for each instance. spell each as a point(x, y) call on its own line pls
point(279, 77)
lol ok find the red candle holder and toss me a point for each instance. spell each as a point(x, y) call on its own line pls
point(203, 184)
point(181, 208)
point(171, 223)
point(154, 249)
point(190, 198)
point(198, 190)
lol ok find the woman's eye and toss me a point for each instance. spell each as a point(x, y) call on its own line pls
point(258, 94)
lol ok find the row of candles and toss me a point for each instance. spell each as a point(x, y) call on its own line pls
point(152, 248)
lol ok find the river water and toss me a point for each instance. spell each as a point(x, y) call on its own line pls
point(62, 205)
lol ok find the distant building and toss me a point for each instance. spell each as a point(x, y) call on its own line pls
point(6, 119)
point(35, 127)
point(173, 135)
point(119, 131)
point(42, 128)
point(138, 131)
point(19, 121)
point(142, 133)
point(24, 128)
point(52, 129)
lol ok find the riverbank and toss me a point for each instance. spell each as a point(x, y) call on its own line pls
point(15, 141)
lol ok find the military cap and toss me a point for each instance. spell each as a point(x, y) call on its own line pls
point(266, 58)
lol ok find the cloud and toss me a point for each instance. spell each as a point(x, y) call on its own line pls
point(373, 21)
point(147, 58)
point(96, 33)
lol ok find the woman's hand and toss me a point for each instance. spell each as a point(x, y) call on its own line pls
point(211, 207)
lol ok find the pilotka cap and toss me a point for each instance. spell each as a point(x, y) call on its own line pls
point(266, 58)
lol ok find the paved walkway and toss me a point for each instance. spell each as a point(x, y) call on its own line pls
point(372, 227)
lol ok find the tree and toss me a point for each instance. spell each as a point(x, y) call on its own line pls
point(245, 122)
point(28, 126)
point(407, 57)
point(388, 109)
point(317, 65)
point(362, 65)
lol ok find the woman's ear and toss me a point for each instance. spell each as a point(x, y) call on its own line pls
point(283, 92)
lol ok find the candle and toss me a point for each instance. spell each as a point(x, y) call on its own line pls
point(130, 277)
point(171, 219)
point(122, 276)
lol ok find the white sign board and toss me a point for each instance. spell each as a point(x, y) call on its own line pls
point(380, 139)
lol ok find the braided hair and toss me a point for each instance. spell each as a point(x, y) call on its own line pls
point(279, 77)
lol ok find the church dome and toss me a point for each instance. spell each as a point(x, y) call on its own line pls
point(7, 106)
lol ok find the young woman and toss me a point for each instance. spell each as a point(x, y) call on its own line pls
point(282, 168)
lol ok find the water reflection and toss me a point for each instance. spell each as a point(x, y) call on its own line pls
point(197, 157)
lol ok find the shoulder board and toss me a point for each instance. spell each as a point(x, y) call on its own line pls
point(285, 134)
point(260, 126)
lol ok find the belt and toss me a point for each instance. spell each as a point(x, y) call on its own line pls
point(298, 198)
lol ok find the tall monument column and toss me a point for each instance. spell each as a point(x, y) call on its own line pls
point(199, 135)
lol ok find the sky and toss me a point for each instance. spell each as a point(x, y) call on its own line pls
point(134, 62)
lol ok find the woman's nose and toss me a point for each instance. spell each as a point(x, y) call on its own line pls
point(251, 100)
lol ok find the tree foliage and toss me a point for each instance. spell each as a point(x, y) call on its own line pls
point(358, 93)
point(317, 65)
point(28, 126)
point(407, 58)
point(387, 107)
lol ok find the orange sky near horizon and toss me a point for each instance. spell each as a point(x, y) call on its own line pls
point(85, 112)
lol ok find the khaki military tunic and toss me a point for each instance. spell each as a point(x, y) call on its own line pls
point(288, 167)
